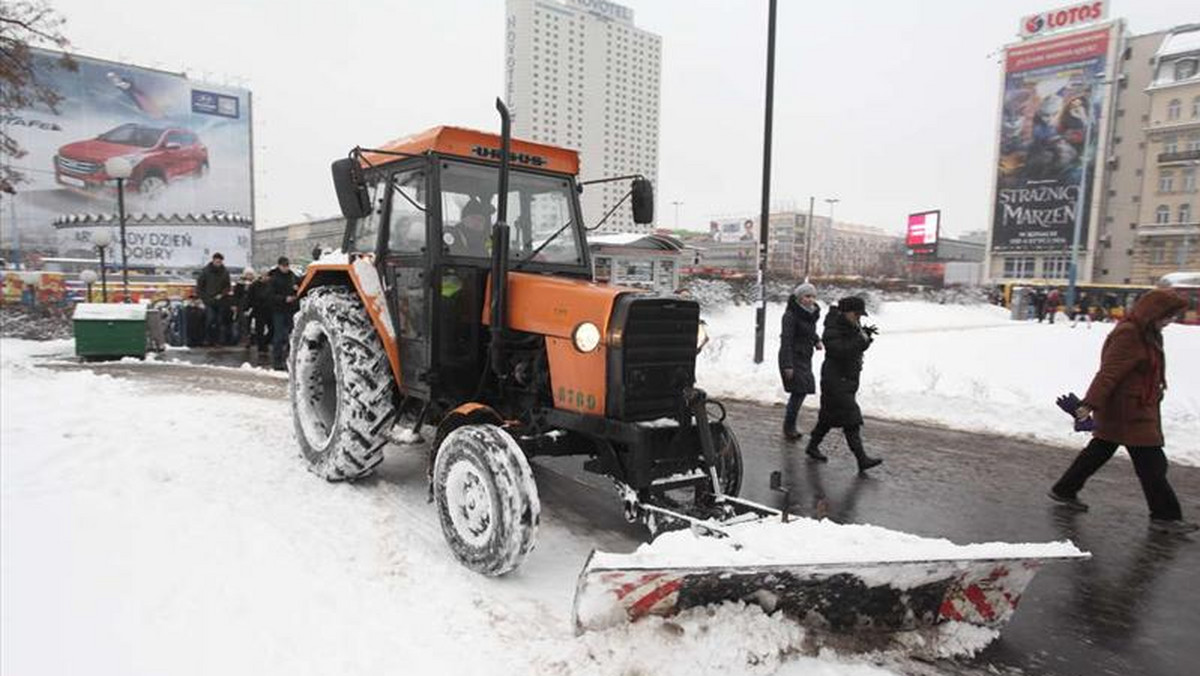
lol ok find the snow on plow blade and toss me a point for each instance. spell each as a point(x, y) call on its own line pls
point(884, 597)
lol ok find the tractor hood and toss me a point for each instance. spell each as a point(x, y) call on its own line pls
point(554, 306)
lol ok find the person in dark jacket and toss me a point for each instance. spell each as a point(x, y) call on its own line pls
point(282, 285)
point(1124, 398)
point(845, 339)
point(796, 344)
point(241, 306)
point(213, 288)
point(258, 297)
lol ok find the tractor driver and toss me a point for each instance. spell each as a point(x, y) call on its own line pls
point(472, 235)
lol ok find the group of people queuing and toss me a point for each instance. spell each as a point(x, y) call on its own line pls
point(255, 311)
point(844, 338)
point(1089, 307)
point(1122, 404)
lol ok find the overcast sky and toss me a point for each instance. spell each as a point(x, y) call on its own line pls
point(888, 106)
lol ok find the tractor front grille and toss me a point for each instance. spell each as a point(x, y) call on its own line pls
point(652, 357)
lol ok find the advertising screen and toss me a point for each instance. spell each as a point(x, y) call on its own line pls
point(1053, 97)
point(921, 236)
point(185, 145)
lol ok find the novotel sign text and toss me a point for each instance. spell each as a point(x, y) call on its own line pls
point(1071, 16)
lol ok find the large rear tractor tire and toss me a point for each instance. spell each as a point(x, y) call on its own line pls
point(486, 498)
point(341, 387)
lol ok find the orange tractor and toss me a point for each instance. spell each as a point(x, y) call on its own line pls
point(412, 326)
point(465, 301)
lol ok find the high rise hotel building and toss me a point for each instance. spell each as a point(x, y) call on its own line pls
point(579, 74)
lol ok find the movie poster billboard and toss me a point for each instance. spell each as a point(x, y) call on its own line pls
point(1053, 97)
point(185, 145)
point(733, 230)
point(921, 235)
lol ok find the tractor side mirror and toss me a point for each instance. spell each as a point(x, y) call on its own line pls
point(351, 188)
point(643, 201)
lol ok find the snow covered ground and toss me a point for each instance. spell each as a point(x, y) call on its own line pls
point(162, 530)
point(962, 366)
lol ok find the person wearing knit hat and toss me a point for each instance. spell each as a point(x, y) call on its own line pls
point(797, 341)
point(1125, 400)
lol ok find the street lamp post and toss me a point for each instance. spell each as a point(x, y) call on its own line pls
point(1081, 198)
point(119, 168)
point(677, 203)
point(808, 235)
point(102, 239)
point(760, 315)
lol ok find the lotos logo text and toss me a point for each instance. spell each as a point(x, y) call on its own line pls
point(1064, 17)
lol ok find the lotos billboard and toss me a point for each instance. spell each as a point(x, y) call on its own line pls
point(186, 147)
point(1071, 16)
point(1053, 97)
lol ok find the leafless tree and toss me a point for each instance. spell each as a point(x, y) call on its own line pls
point(25, 24)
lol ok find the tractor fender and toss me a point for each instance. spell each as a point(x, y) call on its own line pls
point(470, 413)
point(364, 277)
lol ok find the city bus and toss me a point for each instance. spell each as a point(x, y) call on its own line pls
point(1103, 301)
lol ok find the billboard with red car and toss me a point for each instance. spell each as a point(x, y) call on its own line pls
point(182, 147)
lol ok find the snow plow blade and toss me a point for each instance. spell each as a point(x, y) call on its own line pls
point(853, 597)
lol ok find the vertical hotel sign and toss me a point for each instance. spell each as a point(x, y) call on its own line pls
point(1051, 89)
point(510, 55)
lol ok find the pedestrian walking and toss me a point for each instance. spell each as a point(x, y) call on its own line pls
point(283, 285)
point(845, 340)
point(797, 341)
point(1124, 398)
point(1039, 304)
point(213, 287)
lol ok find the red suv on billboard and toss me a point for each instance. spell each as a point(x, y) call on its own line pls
point(158, 156)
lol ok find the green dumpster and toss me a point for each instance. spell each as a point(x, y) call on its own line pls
point(111, 330)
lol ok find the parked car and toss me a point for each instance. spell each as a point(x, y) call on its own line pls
point(158, 155)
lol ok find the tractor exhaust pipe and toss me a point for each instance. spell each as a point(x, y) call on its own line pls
point(500, 251)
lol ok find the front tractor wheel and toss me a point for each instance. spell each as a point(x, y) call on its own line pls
point(486, 498)
point(341, 387)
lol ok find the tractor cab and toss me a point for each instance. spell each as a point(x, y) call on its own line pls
point(424, 207)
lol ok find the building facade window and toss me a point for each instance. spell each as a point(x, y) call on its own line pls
point(1185, 213)
point(1170, 144)
point(1018, 267)
point(1196, 107)
point(1185, 68)
point(1056, 267)
point(1189, 180)
point(1162, 214)
point(1173, 109)
point(1166, 181)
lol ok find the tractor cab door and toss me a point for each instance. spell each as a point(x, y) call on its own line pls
point(404, 257)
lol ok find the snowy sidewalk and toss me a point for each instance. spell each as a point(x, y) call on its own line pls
point(966, 367)
point(163, 530)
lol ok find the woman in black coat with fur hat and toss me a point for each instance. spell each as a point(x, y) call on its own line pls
point(845, 342)
point(796, 344)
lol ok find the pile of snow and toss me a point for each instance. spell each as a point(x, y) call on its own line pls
point(968, 367)
point(803, 541)
point(170, 530)
point(110, 312)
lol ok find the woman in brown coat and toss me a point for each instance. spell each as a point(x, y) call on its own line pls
point(1124, 398)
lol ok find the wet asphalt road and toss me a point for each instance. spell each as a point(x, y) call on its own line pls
point(1134, 608)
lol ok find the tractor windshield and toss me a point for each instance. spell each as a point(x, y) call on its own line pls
point(539, 207)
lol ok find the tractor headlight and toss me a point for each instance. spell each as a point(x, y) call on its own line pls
point(701, 336)
point(586, 337)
